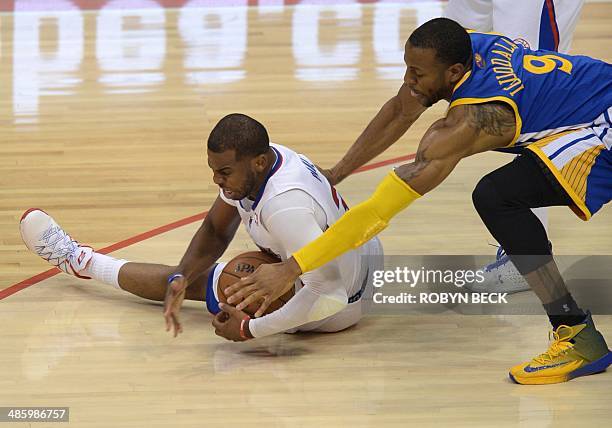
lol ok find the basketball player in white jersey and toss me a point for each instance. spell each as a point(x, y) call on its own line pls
point(538, 24)
point(283, 202)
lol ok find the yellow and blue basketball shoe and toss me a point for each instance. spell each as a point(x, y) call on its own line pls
point(576, 351)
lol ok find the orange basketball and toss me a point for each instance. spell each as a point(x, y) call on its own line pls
point(244, 265)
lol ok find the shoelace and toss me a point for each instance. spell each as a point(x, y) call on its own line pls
point(500, 252)
point(500, 258)
point(560, 344)
point(58, 245)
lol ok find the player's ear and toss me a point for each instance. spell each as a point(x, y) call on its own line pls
point(260, 162)
point(455, 72)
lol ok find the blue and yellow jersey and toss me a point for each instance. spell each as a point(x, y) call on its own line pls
point(548, 91)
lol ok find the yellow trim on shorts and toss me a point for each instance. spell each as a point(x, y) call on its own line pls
point(510, 102)
point(580, 208)
point(577, 171)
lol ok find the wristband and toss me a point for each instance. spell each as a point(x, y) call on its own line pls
point(242, 325)
point(174, 276)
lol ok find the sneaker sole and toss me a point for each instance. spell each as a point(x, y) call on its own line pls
point(597, 366)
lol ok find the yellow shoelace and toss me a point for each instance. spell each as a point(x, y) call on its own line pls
point(560, 344)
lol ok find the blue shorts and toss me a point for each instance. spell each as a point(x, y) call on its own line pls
point(212, 304)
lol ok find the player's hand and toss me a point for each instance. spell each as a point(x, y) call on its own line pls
point(227, 323)
point(267, 283)
point(175, 293)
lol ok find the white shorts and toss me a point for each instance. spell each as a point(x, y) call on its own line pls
point(543, 24)
point(347, 317)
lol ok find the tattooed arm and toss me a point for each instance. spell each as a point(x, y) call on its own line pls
point(495, 119)
point(467, 129)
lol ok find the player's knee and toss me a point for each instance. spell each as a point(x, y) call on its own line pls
point(486, 197)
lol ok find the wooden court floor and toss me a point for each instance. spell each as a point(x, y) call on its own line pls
point(104, 116)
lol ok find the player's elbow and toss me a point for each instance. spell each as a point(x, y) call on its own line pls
point(326, 306)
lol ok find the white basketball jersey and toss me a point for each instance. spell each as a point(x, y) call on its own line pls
point(295, 171)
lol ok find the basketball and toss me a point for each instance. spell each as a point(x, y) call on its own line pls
point(243, 265)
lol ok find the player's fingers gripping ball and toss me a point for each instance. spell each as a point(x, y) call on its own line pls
point(242, 266)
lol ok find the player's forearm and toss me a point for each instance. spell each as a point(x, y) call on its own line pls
point(391, 122)
point(356, 226)
point(303, 308)
point(204, 249)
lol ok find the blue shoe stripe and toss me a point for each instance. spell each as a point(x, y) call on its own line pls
point(595, 367)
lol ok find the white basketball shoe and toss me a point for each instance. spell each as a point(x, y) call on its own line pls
point(501, 276)
point(43, 236)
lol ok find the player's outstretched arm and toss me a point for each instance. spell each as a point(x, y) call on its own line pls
point(467, 130)
point(389, 124)
point(207, 245)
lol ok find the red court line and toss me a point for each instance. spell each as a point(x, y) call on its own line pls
point(162, 229)
point(151, 233)
point(28, 282)
point(385, 163)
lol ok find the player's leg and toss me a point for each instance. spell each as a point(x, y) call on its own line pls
point(567, 13)
point(360, 300)
point(471, 14)
point(43, 236)
point(505, 209)
point(519, 20)
point(543, 24)
point(503, 199)
point(149, 281)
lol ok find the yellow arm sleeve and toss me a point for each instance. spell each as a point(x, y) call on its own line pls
point(359, 224)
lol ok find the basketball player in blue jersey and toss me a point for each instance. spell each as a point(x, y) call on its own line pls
point(537, 24)
point(502, 95)
point(283, 203)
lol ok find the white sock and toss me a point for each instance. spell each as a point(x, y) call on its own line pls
point(104, 269)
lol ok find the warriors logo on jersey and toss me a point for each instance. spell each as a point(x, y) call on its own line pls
point(478, 60)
